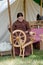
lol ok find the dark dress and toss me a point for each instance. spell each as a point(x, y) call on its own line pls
point(24, 25)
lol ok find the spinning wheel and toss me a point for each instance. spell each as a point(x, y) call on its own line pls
point(19, 38)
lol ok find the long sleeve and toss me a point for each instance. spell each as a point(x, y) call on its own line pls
point(28, 26)
point(13, 27)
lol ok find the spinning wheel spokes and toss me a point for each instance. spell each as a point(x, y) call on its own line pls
point(16, 34)
point(14, 39)
point(20, 34)
point(21, 37)
point(15, 42)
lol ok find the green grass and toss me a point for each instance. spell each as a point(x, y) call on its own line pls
point(35, 59)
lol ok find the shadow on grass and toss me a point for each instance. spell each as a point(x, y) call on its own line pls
point(3, 58)
point(37, 55)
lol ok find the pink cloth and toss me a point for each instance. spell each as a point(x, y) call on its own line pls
point(38, 32)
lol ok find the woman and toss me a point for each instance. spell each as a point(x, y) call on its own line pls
point(23, 25)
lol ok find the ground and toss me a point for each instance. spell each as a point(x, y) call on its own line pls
point(35, 59)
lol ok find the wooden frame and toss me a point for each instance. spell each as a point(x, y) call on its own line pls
point(27, 44)
point(24, 9)
point(6, 53)
point(41, 1)
point(35, 24)
point(9, 12)
point(22, 47)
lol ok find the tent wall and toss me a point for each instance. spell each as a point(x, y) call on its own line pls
point(32, 9)
point(4, 19)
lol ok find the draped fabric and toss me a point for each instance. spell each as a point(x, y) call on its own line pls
point(16, 7)
point(32, 9)
point(3, 4)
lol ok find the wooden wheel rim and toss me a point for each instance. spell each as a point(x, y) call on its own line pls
point(20, 31)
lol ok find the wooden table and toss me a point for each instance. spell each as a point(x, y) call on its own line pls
point(38, 36)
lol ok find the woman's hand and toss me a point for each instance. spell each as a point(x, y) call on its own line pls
point(9, 28)
point(32, 33)
point(26, 31)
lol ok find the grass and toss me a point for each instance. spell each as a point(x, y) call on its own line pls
point(35, 59)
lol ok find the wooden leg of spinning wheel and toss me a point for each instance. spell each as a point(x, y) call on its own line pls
point(13, 52)
point(32, 48)
point(23, 53)
point(20, 52)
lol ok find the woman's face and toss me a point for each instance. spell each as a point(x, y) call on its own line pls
point(20, 18)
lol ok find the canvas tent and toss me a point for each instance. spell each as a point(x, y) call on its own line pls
point(31, 10)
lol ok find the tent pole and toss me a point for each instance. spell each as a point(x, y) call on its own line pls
point(9, 12)
point(41, 8)
point(24, 9)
